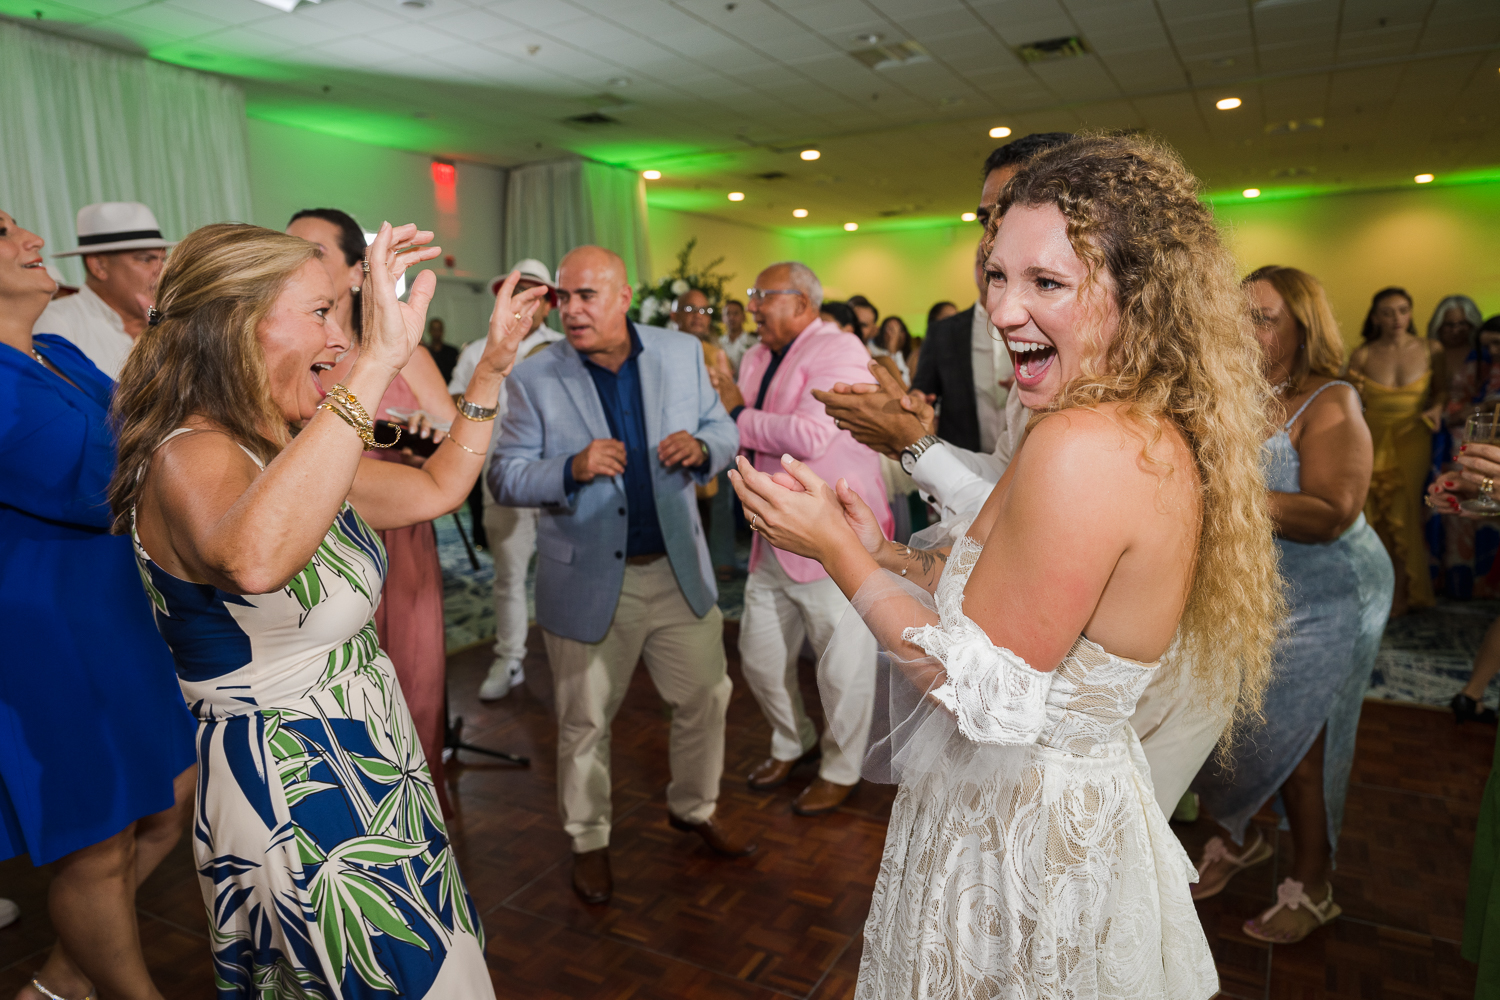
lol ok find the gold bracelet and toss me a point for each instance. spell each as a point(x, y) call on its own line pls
point(330, 407)
point(465, 447)
point(341, 393)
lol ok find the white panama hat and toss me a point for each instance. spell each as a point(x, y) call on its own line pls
point(116, 225)
point(531, 270)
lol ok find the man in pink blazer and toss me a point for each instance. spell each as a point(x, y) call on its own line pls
point(789, 598)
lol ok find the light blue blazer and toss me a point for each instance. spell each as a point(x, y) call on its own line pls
point(553, 412)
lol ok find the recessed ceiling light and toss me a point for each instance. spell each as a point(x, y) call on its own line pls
point(799, 213)
point(736, 196)
point(850, 227)
point(1251, 192)
point(651, 175)
point(1423, 178)
point(1227, 103)
point(284, 5)
point(416, 4)
point(810, 154)
point(617, 81)
point(968, 216)
point(999, 132)
point(870, 38)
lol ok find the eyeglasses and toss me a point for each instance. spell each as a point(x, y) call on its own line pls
point(695, 310)
point(757, 294)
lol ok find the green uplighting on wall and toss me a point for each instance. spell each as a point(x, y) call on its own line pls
point(1487, 175)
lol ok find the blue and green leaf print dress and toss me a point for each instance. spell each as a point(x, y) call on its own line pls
point(321, 851)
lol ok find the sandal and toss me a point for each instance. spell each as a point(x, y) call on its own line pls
point(37, 985)
point(1215, 851)
point(1466, 709)
point(1291, 896)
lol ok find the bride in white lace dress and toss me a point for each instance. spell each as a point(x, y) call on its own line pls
point(1026, 855)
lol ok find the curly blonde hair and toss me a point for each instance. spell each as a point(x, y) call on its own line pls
point(203, 357)
point(1185, 352)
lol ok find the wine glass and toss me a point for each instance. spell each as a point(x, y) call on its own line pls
point(1482, 428)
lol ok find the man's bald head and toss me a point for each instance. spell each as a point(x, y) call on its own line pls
point(595, 260)
point(593, 297)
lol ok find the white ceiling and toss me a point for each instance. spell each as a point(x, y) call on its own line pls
point(714, 93)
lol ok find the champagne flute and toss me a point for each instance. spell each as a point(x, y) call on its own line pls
point(1482, 428)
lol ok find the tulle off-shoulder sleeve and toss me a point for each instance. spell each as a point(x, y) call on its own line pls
point(938, 676)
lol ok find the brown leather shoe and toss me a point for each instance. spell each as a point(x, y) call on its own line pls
point(821, 797)
point(774, 773)
point(591, 876)
point(720, 840)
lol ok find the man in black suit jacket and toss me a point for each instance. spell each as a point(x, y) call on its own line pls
point(945, 368)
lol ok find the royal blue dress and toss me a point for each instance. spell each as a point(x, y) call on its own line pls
point(93, 727)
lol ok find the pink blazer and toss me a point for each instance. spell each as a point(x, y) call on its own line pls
point(792, 422)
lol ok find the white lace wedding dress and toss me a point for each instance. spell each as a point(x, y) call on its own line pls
point(1026, 855)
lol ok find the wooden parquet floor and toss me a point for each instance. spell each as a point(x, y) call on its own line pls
point(786, 921)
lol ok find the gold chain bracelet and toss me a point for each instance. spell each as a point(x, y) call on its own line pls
point(465, 447)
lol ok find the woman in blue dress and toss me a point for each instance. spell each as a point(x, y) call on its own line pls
point(322, 855)
point(93, 729)
point(1338, 582)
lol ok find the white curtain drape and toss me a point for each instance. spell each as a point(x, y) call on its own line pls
point(81, 124)
point(550, 208)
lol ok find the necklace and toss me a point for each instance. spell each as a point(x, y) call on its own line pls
point(39, 359)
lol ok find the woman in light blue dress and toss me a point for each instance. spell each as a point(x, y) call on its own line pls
point(1339, 582)
point(322, 855)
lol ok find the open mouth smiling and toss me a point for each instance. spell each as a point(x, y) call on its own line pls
point(1032, 360)
point(317, 370)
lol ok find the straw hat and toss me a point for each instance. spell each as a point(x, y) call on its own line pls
point(531, 270)
point(116, 225)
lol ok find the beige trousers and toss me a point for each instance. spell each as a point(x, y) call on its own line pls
point(685, 657)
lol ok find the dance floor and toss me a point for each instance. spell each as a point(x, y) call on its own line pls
point(786, 921)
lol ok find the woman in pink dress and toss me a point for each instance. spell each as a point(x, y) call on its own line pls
point(409, 620)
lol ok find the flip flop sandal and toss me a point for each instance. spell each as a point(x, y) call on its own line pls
point(1290, 895)
point(50, 995)
point(1215, 851)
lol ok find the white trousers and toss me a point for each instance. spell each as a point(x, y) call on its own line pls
point(685, 657)
point(779, 614)
point(512, 535)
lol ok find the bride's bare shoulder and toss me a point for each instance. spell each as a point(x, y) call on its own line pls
point(1105, 449)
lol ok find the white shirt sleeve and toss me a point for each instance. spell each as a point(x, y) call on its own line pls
point(463, 369)
point(958, 480)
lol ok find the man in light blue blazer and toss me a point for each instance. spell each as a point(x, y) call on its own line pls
point(608, 432)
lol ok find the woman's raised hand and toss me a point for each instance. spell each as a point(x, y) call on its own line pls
point(510, 322)
point(393, 328)
point(810, 521)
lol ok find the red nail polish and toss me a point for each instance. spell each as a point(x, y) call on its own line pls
point(1463, 447)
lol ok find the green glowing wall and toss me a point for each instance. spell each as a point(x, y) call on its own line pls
point(293, 168)
point(903, 272)
point(1432, 241)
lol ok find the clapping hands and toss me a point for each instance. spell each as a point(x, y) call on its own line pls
point(796, 511)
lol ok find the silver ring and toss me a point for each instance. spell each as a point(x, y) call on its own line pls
point(752, 521)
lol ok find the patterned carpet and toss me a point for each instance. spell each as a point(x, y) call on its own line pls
point(1424, 658)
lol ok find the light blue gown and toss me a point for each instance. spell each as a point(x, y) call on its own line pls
point(1340, 597)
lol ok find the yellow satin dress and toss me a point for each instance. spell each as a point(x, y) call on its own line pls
point(1403, 455)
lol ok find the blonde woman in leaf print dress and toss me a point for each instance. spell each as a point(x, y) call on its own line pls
point(1403, 381)
point(322, 855)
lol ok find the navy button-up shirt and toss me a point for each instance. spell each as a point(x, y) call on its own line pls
point(620, 395)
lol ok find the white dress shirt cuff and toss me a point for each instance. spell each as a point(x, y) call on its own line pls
point(956, 486)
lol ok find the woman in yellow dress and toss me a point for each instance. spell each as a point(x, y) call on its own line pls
point(1403, 382)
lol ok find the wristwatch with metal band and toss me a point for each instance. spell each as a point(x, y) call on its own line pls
point(913, 451)
point(477, 413)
